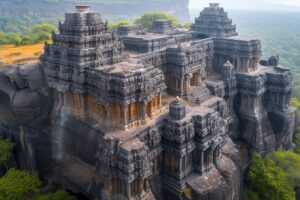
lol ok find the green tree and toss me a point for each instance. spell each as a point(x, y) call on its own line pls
point(289, 162)
point(6, 151)
point(148, 18)
point(3, 40)
point(187, 25)
point(17, 41)
point(41, 32)
point(268, 180)
point(27, 40)
point(48, 28)
point(58, 195)
point(250, 195)
point(18, 185)
point(297, 142)
point(41, 36)
point(114, 27)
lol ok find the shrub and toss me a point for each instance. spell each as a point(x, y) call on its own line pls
point(148, 18)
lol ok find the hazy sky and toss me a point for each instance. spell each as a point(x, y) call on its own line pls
point(293, 5)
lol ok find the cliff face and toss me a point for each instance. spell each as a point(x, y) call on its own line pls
point(24, 116)
point(99, 115)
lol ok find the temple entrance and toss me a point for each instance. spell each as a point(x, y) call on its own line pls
point(195, 79)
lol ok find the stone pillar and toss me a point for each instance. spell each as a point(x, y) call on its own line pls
point(159, 99)
point(109, 112)
point(151, 108)
point(182, 86)
point(201, 160)
point(123, 114)
point(199, 79)
point(211, 156)
point(128, 190)
point(146, 184)
point(130, 113)
point(144, 114)
point(141, 182)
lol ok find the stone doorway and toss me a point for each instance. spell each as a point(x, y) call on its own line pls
point(195, 79)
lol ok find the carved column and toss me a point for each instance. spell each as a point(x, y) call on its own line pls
point(182, 86)
point(141, 181)
point(159, 100)
point(144, 114)
point(129, 113)
point(151, 108)
point(199, 78)
point(128, 190)
point(201, 160)
point(123, 114)
point(109, 112)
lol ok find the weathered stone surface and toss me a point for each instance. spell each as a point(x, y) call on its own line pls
point(99, 114)
point(213, 22)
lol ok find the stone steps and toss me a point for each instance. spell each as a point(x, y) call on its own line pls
point(199, 94)
point(148, 196)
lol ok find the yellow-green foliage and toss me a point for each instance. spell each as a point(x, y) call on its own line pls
point(289, 162)
point(269, 181)
point(114, 27)
point(58, 195)
point(295, 103)
point(297, 142)
point(37, 34)
point(188, 192)
point(18, 185)
point(187, 25)
point(6, 151)
point(23, 185)
point(148, 18)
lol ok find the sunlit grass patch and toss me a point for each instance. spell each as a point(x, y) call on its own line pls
point(10, 54)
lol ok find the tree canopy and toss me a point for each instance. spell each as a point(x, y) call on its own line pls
point(18, 185)
point(23, 185)
point(147, 19)
point(6, 151)
point(58, 195)
point(274, 177)
point(37, 34)
point(115, 26)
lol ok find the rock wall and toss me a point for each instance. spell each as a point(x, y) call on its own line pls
point(103, 122)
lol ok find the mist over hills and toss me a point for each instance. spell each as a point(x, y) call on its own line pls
point(254, 5)
point(107, 8)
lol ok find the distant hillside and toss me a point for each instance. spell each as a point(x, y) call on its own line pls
point(17, 15)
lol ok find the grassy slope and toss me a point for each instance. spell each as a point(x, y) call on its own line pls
point(10, 54)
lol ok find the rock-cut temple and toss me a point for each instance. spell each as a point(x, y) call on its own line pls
point(165, 113)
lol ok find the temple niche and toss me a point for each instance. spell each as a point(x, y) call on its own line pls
point(150, 115)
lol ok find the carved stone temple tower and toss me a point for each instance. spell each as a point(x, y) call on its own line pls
point(149, 115)
point(214, 22)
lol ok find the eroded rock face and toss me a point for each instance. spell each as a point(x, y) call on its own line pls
point(25, 107)
point(100, 115)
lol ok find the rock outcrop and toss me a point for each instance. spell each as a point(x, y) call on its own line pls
point(99, 115)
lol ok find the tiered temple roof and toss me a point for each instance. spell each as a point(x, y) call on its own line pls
point(214, 22)
point(83, 41)
point(126, 94)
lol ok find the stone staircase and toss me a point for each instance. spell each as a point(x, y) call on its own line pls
point(199, 94)
point(147, 196)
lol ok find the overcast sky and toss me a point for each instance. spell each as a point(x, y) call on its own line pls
point(282, 5)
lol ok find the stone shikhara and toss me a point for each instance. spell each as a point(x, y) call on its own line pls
point(147, 115)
